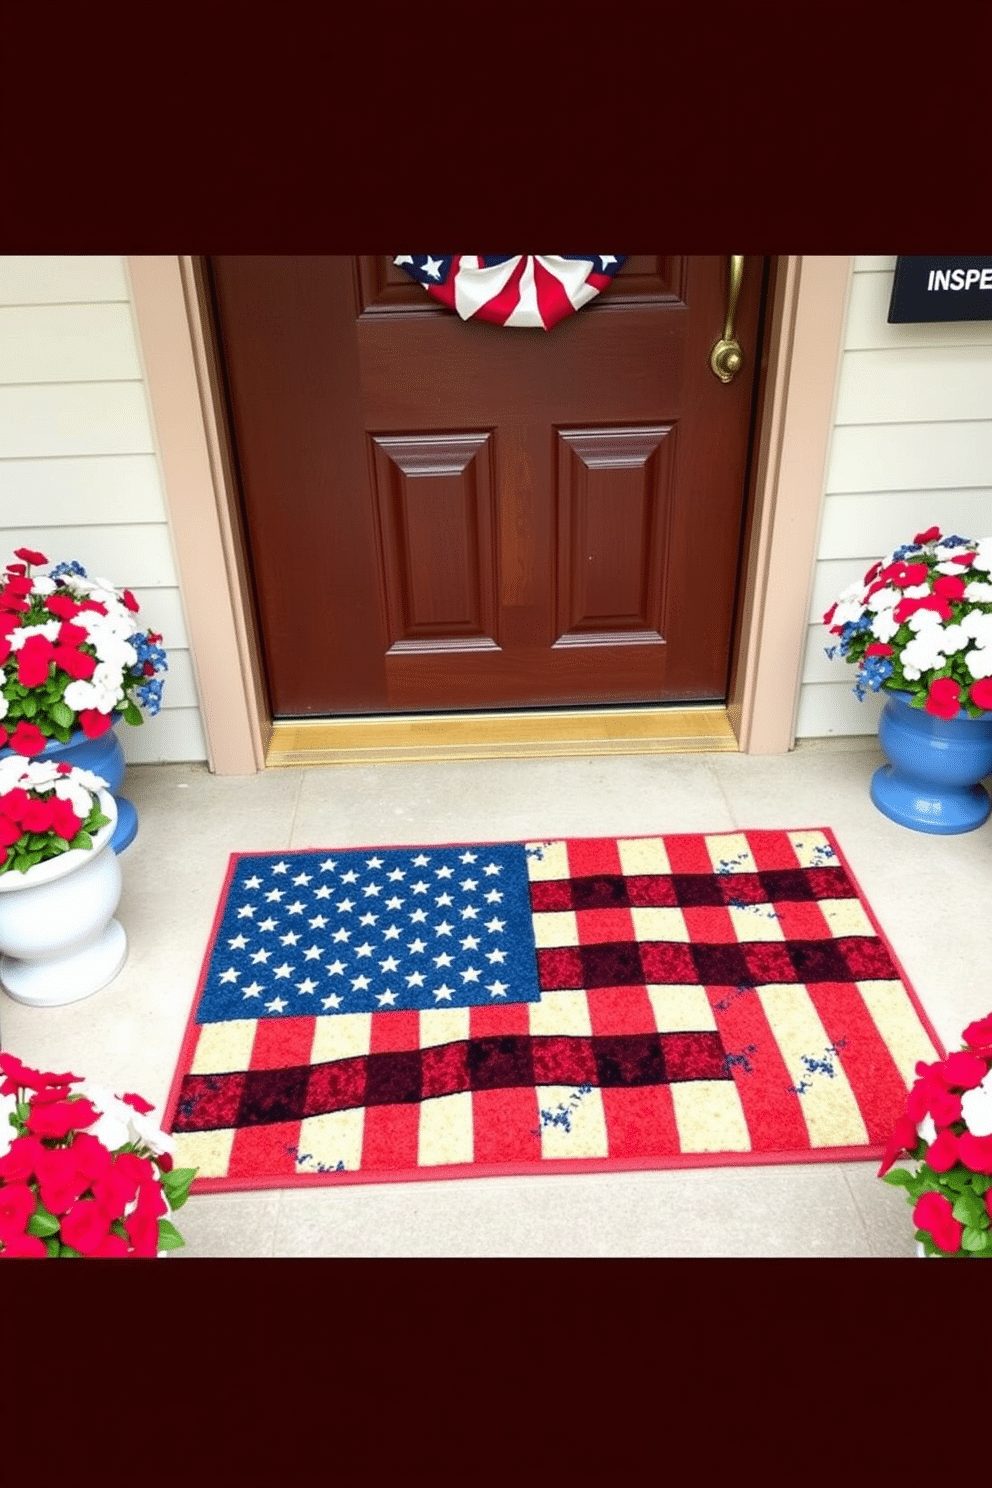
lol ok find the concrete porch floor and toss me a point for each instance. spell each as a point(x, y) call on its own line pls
point(930, 894)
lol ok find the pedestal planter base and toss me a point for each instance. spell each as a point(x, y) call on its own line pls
point(64, 979)
point(103, 757)
point(58, 936)
point(932, 783)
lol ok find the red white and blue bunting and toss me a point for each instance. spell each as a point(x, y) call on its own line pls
point(522, 289)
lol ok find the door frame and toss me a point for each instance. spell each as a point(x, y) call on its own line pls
point(796, 396)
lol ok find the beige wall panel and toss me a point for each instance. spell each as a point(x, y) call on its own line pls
point(93, 490)
point(180, 684)
point(817, 666)
point(872, 525)
point(925, 385)
point(97, 418)
point(868, 328)
point(826, 709)
point(162, 610)
point(45, 279)
point(910, 457)
point(67, 343)
point(866, 263)
point(173, 734)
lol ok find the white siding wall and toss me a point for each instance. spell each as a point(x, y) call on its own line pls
point(79, 476)
point(911, 447)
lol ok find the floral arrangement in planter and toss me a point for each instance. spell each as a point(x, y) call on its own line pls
point(84, 1172)
point(947, 1130)
point(45, 809)
point(71, 655)
point(920, 622)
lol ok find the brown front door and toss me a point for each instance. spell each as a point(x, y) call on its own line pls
point(447, 516)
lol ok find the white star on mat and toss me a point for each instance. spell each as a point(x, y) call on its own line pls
point(443, 929)
point(345, 906)
point(443, 960)
point(373, 862)
point(238, 943)
point(385, 999)
point(306, 986)
point(492, 868)
point(416, 946)
point(469, 883)
point(333, 1001)
point(391, 933)
point(312, 953)
point(253, 883)
point(470, 942)
point(341, 935)
point(495, 955)
point(302, 878)
point(415, 979)
point(324, 892)
point(267, 924)
point(283, 970)
point(350, 877)
point(280, 867)
point(495, 925)
point(359, 983)
point(276, 1005)
point(396, 875)
point(230, 975)
point(274, 895)
point(262, 955)
point(444, 899)
point(420, 861)
point(317, 923)
point(444, 992)
point(364, 950)
point(394, 903)
point(390, 964)
point(468, 857)
point(470, 974)
point(445, 872)
point(335, 968)
point(252, 990)
point(246, 912)
point(498, 989)
point(290, 938)
point(494, 897)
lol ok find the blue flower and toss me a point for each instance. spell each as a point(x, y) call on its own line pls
point(875, 670)
point(61, 569)
point(150, 696)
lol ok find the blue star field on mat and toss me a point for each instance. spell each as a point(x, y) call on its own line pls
point(316, 933)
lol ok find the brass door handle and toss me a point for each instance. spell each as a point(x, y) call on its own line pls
point(727, 358)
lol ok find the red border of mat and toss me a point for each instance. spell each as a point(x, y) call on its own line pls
point(557, 1165)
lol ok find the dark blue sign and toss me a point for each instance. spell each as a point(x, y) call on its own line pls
point(932, 289)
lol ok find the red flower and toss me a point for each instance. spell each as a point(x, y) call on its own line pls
point(945, 1106)
point(909, 574)
point(94, 723)
point(978, 1034)
point(930, 1097)
point(79, 664)
point(879, 648)
point(944, 698)
point(61, 1118)
point(138, 1102)
point(873, 572)
point(72, 635)
point(830, 613)
point(904, 1138)
point(111, 1245)
point(93, 604)
point(27, 739)
point(907, 607)
point(60, 1182)
point(29, 555)
point(16, 568)
point(137, 1168)
point(942, 1153)
point(17, 1204)
point(62, 607)
point(64, 820)
point(933, 1213)
point(151, 1203)
point(130, 601)
point(963, 1071)
point(981, 693)
point(84, 1226)
point(965, 559)
point(142, 1230)
point(13, 804)
point(38, 817)
point(28, 1247)
point(19, 1074)
point(950, 586)
point(33, 661)
point(975, 1152)
point(18, 1162)
point(3, 736)
point(9, 832)
point(931, 535)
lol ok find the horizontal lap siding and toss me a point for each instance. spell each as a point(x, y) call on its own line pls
point(79, 475)
point(911, 446)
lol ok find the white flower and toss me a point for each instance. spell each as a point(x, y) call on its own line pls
point(927, 1130)
point(42, 584)
point(884, 627)
point(979, 663)
point(846, 611)
point(4, 705)
point(145, 1131)
point(978, 592)
point(112, 1129)
point(983, 555)
point(884, 599)
point(976, 1108)
point(50, 630)
point(916, 591)
point(944, 554)
point(79, 695)
point(953, 638)
point(8, 1105)
point(978, 624)
point(922, 654)
point(923, 620)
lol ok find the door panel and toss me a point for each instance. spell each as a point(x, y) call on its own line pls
point(445, 515)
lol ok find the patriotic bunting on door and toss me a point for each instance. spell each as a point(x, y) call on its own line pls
point(520, 289)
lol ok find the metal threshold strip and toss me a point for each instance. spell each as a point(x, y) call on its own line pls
point(553, 734)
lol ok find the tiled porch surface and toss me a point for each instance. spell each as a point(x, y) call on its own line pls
point(931, 895)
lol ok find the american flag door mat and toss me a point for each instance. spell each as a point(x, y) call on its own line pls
point(398, 1013)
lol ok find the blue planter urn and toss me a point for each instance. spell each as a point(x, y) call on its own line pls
point(104, 757)
point(932, 781)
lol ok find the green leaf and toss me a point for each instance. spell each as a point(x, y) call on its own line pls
point(169, 1237)
point(973, 1239)
point(67, 1250)
point(81, 839)
point(23, 1110)
point(42, 1223)
point(177, 1184)
point(968, 1209)
point(899, 1177)
point(132, 713)
point(29, 707)
point(61, 715)
point(52, 1246)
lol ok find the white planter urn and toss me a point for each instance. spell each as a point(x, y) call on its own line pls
point(59, 941)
